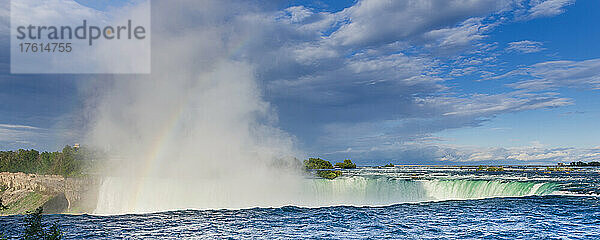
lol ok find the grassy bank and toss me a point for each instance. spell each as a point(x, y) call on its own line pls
point(31, 201)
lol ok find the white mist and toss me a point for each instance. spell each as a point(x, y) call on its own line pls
point(195, 133)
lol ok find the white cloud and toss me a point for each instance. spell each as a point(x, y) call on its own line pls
point(369, 77)
point(525, 46)
point(548, 8)
point(12, 126)
point(523, 155)
point(549, 75)
point(13, 134)
point(298, 13)
point(457, 37)
point(489, 105)
point(456, 72)
point(307, 53)
point(438, 152)
point(429, 116)
point(374, 22)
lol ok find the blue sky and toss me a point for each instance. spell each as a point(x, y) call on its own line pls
point(432, 81)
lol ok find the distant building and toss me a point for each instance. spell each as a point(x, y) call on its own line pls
point(76, 145)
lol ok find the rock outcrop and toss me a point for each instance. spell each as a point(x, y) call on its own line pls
point(57, 194)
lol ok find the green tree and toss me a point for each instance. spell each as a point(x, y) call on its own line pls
point(35, 230)
point(70, 162)
point(347, 164)
point(26, 160)
point(317, 163)
point(329, 174)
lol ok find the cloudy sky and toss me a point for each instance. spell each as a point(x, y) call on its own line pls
point(402, 81)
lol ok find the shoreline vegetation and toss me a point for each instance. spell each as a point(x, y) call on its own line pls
point(490, 168)
point(321, 167)
point(584, 164)
point(72, 161)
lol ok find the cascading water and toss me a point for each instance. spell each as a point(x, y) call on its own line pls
point(352, 190)
point(473, 189)
point(361, 191)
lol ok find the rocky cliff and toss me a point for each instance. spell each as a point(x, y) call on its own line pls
point(56, 194)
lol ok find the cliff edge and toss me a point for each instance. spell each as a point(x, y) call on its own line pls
point(22, 192)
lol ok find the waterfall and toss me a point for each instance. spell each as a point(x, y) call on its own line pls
point(159, 195)
point(367, 191)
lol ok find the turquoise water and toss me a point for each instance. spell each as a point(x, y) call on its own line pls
point(398, 203)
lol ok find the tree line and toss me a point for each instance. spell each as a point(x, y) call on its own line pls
point(584, 164)
point(71, 161)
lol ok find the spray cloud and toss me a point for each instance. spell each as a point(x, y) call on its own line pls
point(195, 133)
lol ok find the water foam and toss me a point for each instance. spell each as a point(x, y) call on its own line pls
point(352, 191)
